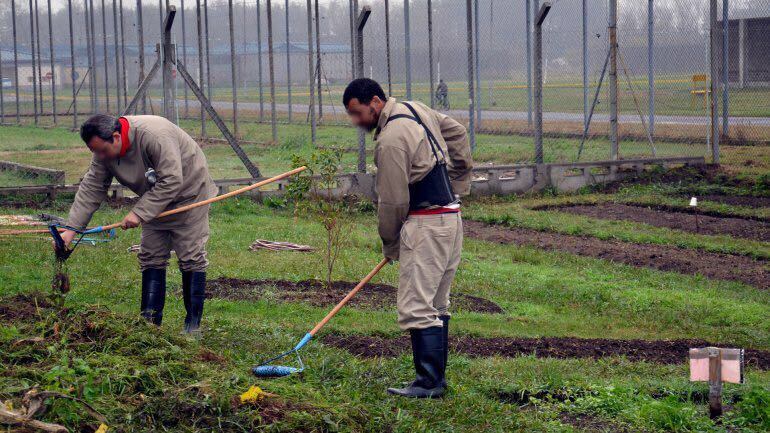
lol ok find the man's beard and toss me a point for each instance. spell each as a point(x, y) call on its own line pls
point(375, 120)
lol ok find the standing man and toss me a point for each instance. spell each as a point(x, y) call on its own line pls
point(423, 166)
point(166, 168)
point(442, 94)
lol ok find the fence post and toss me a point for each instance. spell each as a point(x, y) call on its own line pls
point(104, 53)
point(713, 45)
point(233, 75)
point(584, 13)
point(310, 78)
point(116, 46)
point(360, 23)
point(39, 57)
point(651, 63)
point(407, 51)
point(430, 54)
point(725, 67)
point(140, 42)
point(318, 59)
point(387, 46)
point(208, 52)
point(32, 52)
point(528, 15)
point(72, 67)
point(199, 31)
point(469, 47)
point(288, 59)
point(53, 70)
point(271, 70)
point(612, 28)
point(124, 77)
point(15, 60)
point(477, 41)
point(541, 14)
point(168, 62)
point(259, 64)
point(184, 58)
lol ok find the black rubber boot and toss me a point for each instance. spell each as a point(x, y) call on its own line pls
point(428, 354)
point(194, 294)
point(445, 342)
point(153, 295)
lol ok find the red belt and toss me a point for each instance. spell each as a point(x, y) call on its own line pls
point(434, 211)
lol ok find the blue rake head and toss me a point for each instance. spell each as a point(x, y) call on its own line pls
point(62, 252)
point(266, 370)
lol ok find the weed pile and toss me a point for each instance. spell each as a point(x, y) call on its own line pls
point(141, 378)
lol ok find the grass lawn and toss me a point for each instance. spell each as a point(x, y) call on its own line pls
point(141, 378)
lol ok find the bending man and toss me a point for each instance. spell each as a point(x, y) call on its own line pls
point(423, 166)
point(166, 168)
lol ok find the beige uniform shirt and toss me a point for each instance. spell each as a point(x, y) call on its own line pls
point(403, 156)
point(179, 164)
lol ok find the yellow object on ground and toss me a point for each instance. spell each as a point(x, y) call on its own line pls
point(102, 429)
point(254, 394)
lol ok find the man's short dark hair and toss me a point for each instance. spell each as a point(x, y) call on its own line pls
point(363, 89)
point(99, 125)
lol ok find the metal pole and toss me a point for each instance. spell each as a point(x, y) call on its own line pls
point(124, 77)
point(165, 78)
point(477, 41)
point(387, 46)
point(541, 14)
point(612, 27)
point(104, 49)
point(169, 101)
point(39, 57)
point(117, 53)
point(725, 67)
point(360, 23)
point(351, 15)
point(259, 63)
point(430, 54)
point(288, 60)
point(407, 51)
point(140, 42)
point(53, 70)
point(714, 44)
point(199, 28)
point(310, 78)
point(184, 58)
point(585, 64)
point(89, 56)
point(208, 51)
point(32, 52)
point(271, 70)
point(651, 63)
point(318, 59)
point(2, 92)
point(72, 67)
point(15, 61)
point(528, 6)
point(94, 80)
point(469, 46)
point(233, 77)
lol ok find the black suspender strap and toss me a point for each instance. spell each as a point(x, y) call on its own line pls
point(431, 138)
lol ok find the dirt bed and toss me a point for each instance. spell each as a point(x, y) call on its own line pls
point(314, 292)
point(661, 257)
point(682, 220)
point(657, 351)
point(737, 200)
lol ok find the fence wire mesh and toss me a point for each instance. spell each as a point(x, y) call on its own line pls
point(62, 60)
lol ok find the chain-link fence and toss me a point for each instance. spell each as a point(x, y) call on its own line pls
point(262, 62)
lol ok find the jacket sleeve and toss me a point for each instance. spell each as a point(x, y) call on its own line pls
point(456, 138)
point(164, 152)
point(392, 183)
point(91, 193)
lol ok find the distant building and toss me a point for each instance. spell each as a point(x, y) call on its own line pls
point(748, 49)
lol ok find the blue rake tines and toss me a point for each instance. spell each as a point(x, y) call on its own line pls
point(265, 370)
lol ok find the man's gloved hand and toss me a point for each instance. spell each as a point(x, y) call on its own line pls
point(67, 236)
point(130, 221)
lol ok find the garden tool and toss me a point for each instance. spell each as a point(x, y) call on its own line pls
point(266, 370)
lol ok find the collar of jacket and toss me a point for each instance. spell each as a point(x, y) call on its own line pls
point(384, 115)
point(124, 136)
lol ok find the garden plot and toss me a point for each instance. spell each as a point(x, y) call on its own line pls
point(316, 293)
point(667, 258)
point(740, 227)
point(658, 352)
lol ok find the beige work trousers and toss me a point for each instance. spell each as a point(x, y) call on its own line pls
point(429, 255)
point(185, 233)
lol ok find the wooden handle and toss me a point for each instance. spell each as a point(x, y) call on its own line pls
point(347, 298)
point(183, 208)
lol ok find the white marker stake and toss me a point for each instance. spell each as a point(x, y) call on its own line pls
point(694, 204)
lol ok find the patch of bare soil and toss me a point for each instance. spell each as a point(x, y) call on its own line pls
point(587, 423)
point(667, 258)
point(656, 351)
point(23, 307)
point(679, 220)
point(737, 200)
point(683, 176)
point(314, 292)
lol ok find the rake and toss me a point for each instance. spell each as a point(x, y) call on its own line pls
point(266, 370)
point(63, 253)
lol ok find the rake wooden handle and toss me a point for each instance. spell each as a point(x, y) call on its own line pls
point(347, 298)
point(186, 207)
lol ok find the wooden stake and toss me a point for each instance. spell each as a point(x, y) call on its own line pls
point(715, 382)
